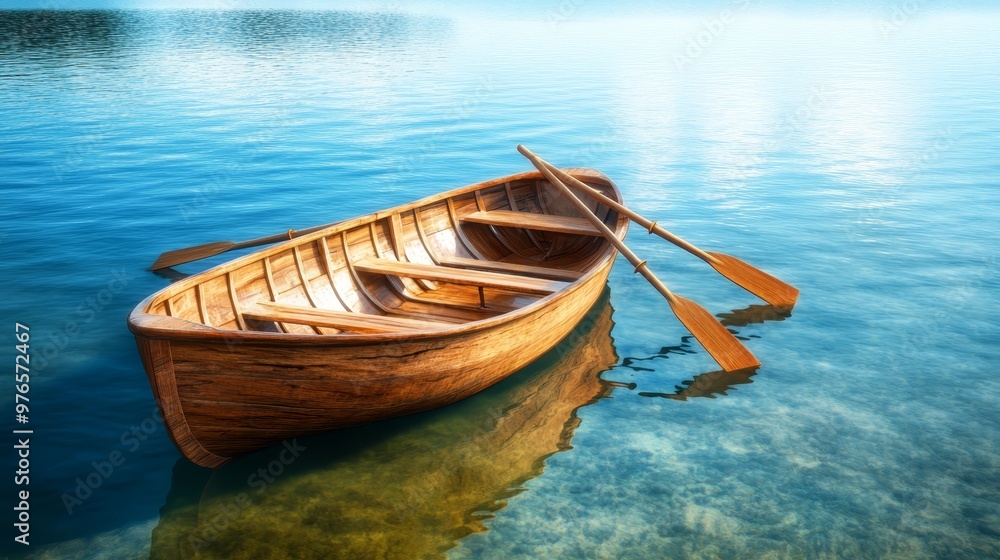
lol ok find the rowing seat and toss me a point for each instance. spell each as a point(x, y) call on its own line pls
point(478, 278)
point(355, 322)
point(513, 268)
point(530, 220)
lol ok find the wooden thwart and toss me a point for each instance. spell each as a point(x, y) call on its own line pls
point(528, 220)
point(512, 268)
point(460, 276)
point(354, 322)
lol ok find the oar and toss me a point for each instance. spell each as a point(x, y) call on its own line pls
point(719, 342)
point(746, 276)
point(181, 256)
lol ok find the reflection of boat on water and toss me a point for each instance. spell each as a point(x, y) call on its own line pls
point(404, 488)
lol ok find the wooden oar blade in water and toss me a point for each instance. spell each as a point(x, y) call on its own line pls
point(181, 256)
point(716, 338)
point(754, 280)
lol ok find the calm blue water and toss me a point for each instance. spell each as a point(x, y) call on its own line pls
point(854, 154)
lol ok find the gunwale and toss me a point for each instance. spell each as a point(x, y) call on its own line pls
point(165, 327)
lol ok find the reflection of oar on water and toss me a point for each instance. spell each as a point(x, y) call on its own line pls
point(754, 314)
point(718, 341)
point(713, 383)
point(748, 277)
point(707, 385)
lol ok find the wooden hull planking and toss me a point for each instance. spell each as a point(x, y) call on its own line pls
point(238, 360)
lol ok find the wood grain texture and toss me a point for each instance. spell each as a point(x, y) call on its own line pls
point(303, 315)
point(459, 276)
point(229, 381)
point(513, 268)
point(527, 220)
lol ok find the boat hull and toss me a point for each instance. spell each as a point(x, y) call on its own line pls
point(224, 398)
point(223, 394)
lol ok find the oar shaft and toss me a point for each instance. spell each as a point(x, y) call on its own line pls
point(189, 254)
point(651, 226)
point(278, 237)
point(640, 265)
point(718, 342)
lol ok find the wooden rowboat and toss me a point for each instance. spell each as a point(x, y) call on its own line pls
point(397, 312)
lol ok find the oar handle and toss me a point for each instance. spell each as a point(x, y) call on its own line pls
point(640, 265)
point(290, 234)
point(651, 226)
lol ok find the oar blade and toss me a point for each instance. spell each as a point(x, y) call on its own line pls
point(730, 353)
point(755, 280)
point(181, 256)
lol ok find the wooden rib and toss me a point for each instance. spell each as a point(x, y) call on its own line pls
point(328, 262)
point(481, 205)
point(530, 220)
point(399, 246)
point(538, 196)
point(461, 276)
point(558, 242)
point(448, 308)
point(566, 246)
point(302, 274)
point(461, 234)
point(513, 206)
point(236, 303)
point(423, 236)
point(375, 301)
point(396, 233)
point(328, 318)
point(357, 279)
point(397, 284)
point(166, 306)
point(269, 274)
point(202, 307)
point(269, 278)
point(305, 283)
point(373, 234)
